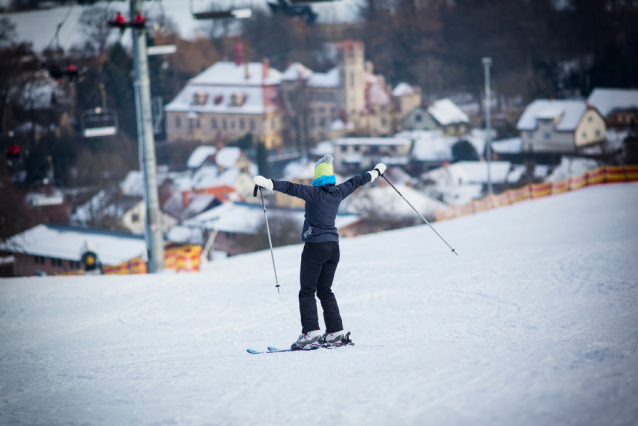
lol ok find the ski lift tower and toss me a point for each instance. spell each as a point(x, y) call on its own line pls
point(146, 141)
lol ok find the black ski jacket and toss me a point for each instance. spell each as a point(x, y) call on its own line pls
point(322, 204)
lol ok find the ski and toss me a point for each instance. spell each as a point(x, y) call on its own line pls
point(272, 350)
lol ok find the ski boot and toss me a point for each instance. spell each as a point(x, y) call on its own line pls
point(336, 339)
point(307, 341)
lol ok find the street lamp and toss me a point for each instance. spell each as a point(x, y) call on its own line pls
point(487, 63)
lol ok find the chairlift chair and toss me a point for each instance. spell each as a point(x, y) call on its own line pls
point(303, 11)
point(99, 122)
point(239, 9)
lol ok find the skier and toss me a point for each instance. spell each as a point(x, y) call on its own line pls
point(321, 250)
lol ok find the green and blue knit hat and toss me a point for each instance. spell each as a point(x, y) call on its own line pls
point(324, 172)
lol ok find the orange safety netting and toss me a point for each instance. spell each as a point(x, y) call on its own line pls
point(598, 176)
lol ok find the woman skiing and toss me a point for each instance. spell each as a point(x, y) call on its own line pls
point(321, 250)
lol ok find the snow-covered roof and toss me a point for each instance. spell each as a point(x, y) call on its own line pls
point(323, 148)
point(445, 112)
point(508, 146)
point(329, 79)
point(133, 183)
point(231, 74)
point(433, 145)
point(396, 141)
point(384, 201)
point(228, 156)
point(608, 100)
point(105, 204)
point(197, 204)
point(403, 89)
point(302, 169)
point(223, 99)
point(210, 177)
point(67, 242)
point(296, 71)
point(475, 172)
point(569, 113)
point(199, 155)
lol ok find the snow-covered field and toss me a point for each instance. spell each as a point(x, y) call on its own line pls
point(535, 323)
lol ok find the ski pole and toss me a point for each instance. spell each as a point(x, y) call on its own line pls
point(272, 254)
point(415, 210)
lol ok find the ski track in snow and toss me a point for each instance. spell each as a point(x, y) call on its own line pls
point(536, 322)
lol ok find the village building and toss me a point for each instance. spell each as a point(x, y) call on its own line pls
point(618, 106)
point(226, 102)
point(443, 115)
point(558, 126)
point(50, 249)
point(352, 155)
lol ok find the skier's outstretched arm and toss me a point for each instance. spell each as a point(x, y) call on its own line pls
point(304, 192)
point(349, 186)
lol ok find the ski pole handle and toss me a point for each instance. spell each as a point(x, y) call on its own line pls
point(255, 190)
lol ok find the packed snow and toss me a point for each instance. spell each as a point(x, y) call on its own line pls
point(533, 323)
point(568, 114)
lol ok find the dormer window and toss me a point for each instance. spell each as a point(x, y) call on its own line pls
point(199, 98)
point(219, 99)
point(237, 99)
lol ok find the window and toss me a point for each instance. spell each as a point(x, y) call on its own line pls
point(530, 135)
point(312, 122)
point(351, 78)
point(584, 134)
point(322, 122)
point(597, 132)
point(252, 124)
point(547, 135)
point(357, 148)
point(242, 124)
point(232, 124)
point(384, 122)
point(418, 118)
point(213, 123)
point(344, 148)
point(224, 124)
point(272, 123)
point(322, 110)
point(198, 124)
point(178, 122)
point(135, 217)
point(590, 119)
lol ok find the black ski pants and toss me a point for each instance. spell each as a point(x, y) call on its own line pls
point(318, 266)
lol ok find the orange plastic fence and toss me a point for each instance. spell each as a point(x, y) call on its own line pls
point(598, 176)
point(180, 259)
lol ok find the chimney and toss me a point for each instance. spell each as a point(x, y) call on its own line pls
point(265, 68)
point(239, 53)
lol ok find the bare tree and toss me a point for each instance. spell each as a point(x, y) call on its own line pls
point(94, 21)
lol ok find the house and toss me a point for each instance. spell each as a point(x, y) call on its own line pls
point(57, 249)
point(228, 101)
point(433, 148)
point(557, 126)
point(116, 210)
point(406, 98)
point(347, 99)
point(461, 182)
point(238, 226)
point(443, 115)
point(618, 106)
point(353, 155)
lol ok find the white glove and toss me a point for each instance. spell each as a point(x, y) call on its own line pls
point(263, 182)
point(378, 170)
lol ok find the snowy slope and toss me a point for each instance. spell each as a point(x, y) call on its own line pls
point(534, 323)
